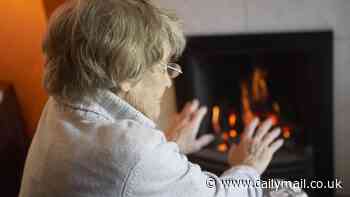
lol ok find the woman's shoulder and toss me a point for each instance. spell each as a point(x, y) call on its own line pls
point(128, 136)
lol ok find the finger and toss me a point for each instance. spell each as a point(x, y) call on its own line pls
point(182, 121)
point(199, 115)
point(185, 115)
point(270, 137)
point(276, 145)
point(203, 141)
point(189, 108)
point(263, 129)
point(255, 147)
point(187, 112)
point(194, 105)
point(197, 119)
point(249, 131)
point(187, 105)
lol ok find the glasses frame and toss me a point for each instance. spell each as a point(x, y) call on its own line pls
point(173, 67)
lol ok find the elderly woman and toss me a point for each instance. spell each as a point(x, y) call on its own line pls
point(107, 66)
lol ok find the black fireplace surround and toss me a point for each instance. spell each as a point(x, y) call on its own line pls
point(299, 77)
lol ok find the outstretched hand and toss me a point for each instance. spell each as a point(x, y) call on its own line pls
point(256, 147)
point(184, 128)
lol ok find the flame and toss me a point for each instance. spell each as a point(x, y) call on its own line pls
point(232, 120)
point(233, 133)
point(215, 119)
point(273, 118)
point(276, 107)
point(248, 115)
point(222, 147)
point(255, 101)
point(259, 86)
point(256, 93)
point(225, 136)
point(286, 132)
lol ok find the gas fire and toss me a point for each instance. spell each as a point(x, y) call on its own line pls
point(255, 102)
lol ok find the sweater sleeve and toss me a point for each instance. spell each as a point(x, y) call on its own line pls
point(164, 171)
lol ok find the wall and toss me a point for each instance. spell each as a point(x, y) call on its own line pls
point(51, 5)
point(240, 16)
point(22, 25)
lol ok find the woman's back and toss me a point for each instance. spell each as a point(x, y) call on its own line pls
point(88, 150)
point(83, 153)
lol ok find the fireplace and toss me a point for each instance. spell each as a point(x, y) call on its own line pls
point(283, 76)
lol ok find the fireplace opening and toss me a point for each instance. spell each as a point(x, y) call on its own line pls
point(286, 77)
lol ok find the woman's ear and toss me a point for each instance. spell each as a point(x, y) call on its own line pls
point(125, 86)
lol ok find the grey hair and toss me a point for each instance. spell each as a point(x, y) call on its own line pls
point(93, 44)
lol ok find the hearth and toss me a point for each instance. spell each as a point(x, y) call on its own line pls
point(283, 76)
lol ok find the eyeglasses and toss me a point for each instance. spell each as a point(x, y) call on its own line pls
point(173, 69)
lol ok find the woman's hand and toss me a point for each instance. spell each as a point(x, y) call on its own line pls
point(256, 151)
point(184, 127)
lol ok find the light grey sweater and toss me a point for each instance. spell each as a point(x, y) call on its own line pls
point(105, 147)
